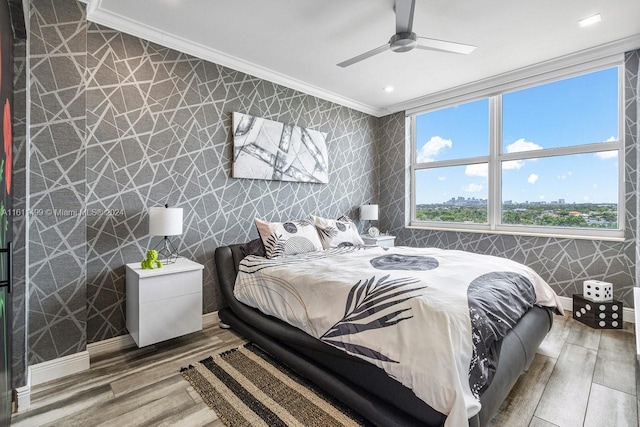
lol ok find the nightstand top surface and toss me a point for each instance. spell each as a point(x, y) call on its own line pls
point(182, 264)
point(382, 237)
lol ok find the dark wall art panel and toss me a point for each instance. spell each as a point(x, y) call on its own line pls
point(6, 155)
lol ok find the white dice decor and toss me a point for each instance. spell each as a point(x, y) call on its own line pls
point(595, 290)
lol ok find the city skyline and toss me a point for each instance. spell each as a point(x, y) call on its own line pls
point(473, 201)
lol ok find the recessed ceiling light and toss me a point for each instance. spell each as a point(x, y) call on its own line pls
point(388, 89)
point(590, 20)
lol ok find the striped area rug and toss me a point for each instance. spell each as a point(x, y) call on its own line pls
point(246, 387)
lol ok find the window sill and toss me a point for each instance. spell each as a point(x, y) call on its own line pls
point(610, 236)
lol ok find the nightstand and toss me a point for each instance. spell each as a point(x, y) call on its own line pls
point(383, 241)
point(598, 314)
point(164, 303)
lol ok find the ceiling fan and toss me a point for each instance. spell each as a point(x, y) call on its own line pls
point(405, 39)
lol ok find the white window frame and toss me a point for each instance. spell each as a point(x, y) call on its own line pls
point(496, 157)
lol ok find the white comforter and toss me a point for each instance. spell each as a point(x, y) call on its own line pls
point(403, 309)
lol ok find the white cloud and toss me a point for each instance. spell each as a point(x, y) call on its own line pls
point(442, 178)
point(473, 188)
point(532, 178)
point(595, 186)
point(432, 148)
point(512, 164)
point(522, 145)
point(480, 169)
point(517, 147)
point(606, 155)
point(612, 138)
point(586, 198)
point(565, 175)
point(541, 197)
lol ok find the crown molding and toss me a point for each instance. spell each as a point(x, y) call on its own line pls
point(565, 65)
point(98, 15)
point(127, 25)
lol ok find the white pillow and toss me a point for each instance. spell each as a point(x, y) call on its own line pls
point(336, 233)
point(288, 238)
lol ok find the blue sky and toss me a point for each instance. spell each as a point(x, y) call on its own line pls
point(575, 111)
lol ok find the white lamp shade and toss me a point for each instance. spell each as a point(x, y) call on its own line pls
point(165, 221)
point(369, 212)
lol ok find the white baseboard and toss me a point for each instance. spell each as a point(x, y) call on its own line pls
point(78, 362)
point(23, 396)
point(58, 368)
point(112, 344)
point(210, 319)
point(628, 314)
point(126, 341)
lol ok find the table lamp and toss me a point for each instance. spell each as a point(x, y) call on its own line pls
point(165, 222)
point(370, 213)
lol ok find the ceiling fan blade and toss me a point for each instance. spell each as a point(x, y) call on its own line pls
point(444, 46)
point(404, 15)
point(363, 56)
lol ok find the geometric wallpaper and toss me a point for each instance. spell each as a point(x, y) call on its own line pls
point(632, 131)
point(119, 125)
point(159, 131)
point(19, 344)
point(19, 365)
point(56, 247)
point(564, 263)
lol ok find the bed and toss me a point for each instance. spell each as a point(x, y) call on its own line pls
point(356, 381)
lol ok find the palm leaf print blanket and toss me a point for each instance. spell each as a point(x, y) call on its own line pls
point(428, 317)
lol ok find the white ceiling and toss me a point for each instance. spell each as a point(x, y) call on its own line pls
point(299, 42)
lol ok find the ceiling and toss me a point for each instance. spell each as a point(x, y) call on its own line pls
point(299, 42)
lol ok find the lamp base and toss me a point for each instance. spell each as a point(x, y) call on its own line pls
point(167, 252)
point(373, 232)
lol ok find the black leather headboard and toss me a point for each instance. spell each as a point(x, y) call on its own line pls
point(227, 260)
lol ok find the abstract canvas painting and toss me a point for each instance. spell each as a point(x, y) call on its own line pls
point(264, 149)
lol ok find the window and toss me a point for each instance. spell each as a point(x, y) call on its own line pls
point(545, 159)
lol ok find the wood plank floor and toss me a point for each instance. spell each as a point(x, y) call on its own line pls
point(580, 376)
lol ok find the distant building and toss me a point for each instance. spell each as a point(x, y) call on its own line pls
point(461, 201)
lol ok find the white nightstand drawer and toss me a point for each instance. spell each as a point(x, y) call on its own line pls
point(157, 288)
point(164, 303)
point(170, 318)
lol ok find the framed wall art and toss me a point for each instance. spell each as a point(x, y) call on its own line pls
point(265, 149)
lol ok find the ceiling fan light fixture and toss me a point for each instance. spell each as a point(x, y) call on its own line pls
point(388, 89)
point(403, 42)
point(405, 39)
